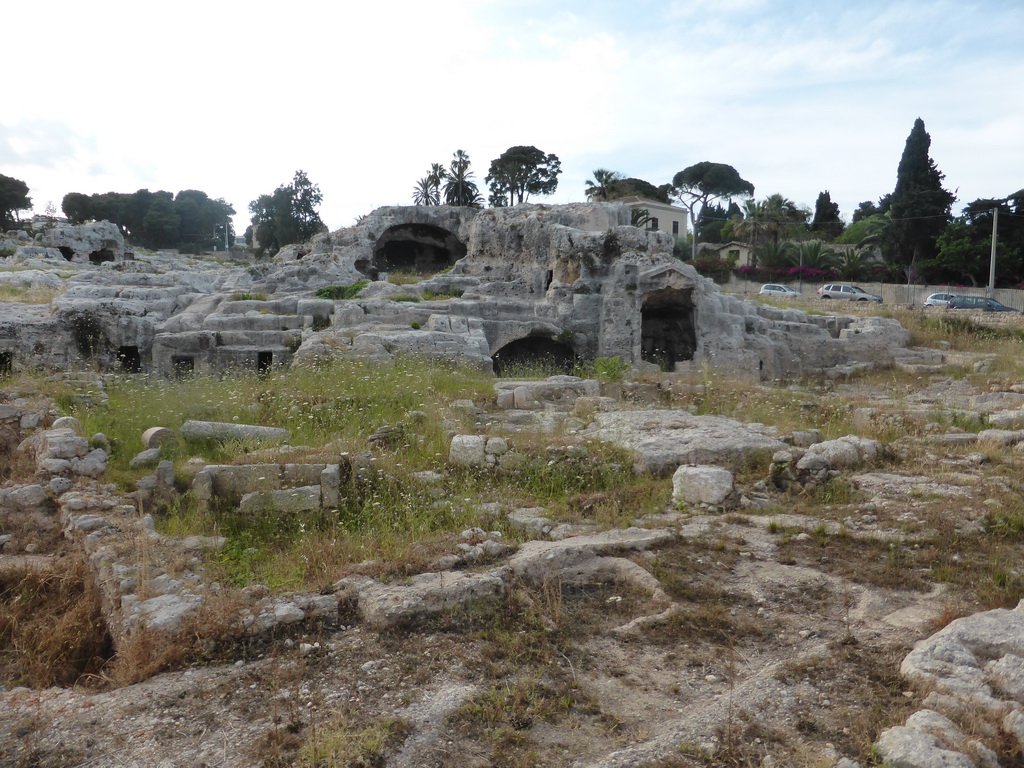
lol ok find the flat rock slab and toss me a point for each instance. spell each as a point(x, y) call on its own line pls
point(219, 430)
point(663, 440)
point(890, 485)
point(540, 561)
point(404, 604)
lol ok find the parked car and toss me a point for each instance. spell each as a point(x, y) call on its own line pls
point(939, 299)
point(849, 292)
point(978, 304)
point(775, 289)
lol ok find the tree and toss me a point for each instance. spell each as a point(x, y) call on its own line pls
point(774, 218)
point(706, 181)
point(826, 221)
point(712, 225)
point(459, 187)
point(288, 215)
point(77, 207)
point(865, 209)
point(520, 172)
point(920, 207)
point(965, 247)
point(160, 226)
point(200, 219)
point(600, 188)
point(814, 254)
point(859, 263)
point(423, 193)
point(13, 198)
point(428, 189)
point(156, 219)
point(773, 254)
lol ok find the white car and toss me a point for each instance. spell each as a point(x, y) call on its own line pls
point(939, 299)
point(849, 292)
point(775, 289)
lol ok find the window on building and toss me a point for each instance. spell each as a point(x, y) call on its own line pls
point(675, 227)
point(654, 224)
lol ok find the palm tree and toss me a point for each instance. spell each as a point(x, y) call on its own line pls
point(772, 255)
point(436, 176)
point(459, 188)
point(424, 193)
point(770, 219)
point(858, 263)
point(814, 254)
point(599, 188)
point(639, 217)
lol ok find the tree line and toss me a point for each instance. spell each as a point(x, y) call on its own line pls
point(908, 235)
point(189, 220)
point(513, 176)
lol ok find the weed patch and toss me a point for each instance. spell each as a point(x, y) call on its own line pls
point(51, 627)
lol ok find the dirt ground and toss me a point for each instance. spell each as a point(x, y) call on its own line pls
point(784, 648)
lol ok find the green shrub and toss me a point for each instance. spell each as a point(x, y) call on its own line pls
point(247, 296)
point(341, 292)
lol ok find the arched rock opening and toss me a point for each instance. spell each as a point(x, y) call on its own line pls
point(667, 332)
point(66, 252)
point(420, 248)
point(532, 353)
point(102, 255)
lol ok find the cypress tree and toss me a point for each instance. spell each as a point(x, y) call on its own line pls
point(920, 207)
point(826, 221)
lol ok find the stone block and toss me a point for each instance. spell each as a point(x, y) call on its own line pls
point(68, 422)
point(145, 459)
point(61, 443)
point(702, 485)
point(468, 451)
point(289, 501)
point(330, 486)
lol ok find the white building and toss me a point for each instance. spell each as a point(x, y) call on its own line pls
point(662, 217)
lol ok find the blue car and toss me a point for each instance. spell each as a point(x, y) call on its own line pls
point(978, 304)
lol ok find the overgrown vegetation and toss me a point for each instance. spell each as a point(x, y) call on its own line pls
point(51, 627)
point(340, 292)
point(249, 296)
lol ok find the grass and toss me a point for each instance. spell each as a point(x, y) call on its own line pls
point(406, 276)
point(23, 294)
point(385, 512)
point(51, 627)
point(350, 739)
point(249, 296)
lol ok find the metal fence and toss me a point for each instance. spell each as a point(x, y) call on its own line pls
point(891, 293)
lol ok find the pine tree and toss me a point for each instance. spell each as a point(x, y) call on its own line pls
point(919, 206)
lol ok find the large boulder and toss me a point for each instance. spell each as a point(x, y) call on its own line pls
point(98, 242)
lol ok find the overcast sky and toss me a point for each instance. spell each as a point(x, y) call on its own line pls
point(233, 97)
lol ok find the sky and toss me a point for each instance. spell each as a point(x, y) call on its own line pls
point(233, 97)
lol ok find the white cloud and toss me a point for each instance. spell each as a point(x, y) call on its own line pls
point(232, 97)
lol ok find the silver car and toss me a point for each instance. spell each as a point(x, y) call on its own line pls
point(776, 289)
point(939, 299)
point(849, 292)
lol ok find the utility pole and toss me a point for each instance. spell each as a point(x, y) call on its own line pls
point(992, 258)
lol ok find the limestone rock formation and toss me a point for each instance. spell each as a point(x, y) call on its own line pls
point(497, 288)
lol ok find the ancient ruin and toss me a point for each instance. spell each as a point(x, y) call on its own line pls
point(496, 287)
point(800, 585)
